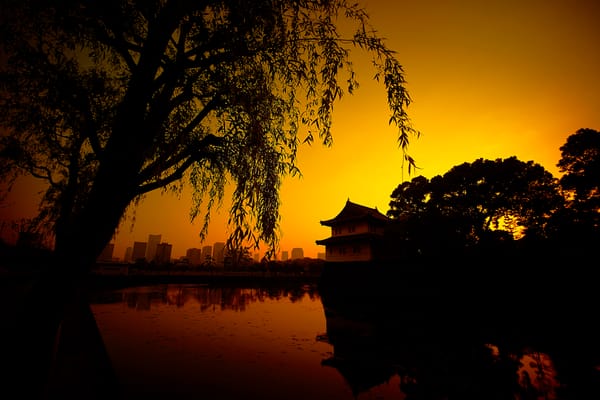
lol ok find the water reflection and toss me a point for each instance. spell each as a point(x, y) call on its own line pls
point(173, 341)
point(223, 342)
point(438, 352)
point(223, 297)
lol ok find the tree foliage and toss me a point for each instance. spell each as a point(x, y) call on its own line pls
point(474, 202)
point(579, 221)
point(108, 100)
point(580, 163)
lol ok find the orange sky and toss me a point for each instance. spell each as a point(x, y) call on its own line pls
point(488, 80)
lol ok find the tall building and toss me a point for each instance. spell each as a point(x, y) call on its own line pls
point(207, 254)
point(153, 241)
point(284, 255)
point(163, 253)
point(219, 253)
point(194, 256)
point(297, 253)
point(139, 251)
point(128, 254)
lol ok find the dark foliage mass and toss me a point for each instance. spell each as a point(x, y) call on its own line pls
point(504, 203)
point(578, 223)
point(107, 101)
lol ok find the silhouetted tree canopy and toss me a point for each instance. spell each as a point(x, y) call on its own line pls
point(108, 100)
point(476, 202)
point(580, 163)
point(579, 221)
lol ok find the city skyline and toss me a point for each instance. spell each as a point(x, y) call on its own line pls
point(492, 80)
point(195, 254)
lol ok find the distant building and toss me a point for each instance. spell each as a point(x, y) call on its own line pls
point(163, 253)
point(207, 254)
point(218, 253)
point(297, 253)
point(128, 254)
point(139, 251)
point(153, 241)
point(194, 256)
point(357, 234)
point(321, 256)
point(284, 255)
point(107, 253)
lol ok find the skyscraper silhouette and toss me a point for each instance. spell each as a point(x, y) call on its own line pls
point(153, 241)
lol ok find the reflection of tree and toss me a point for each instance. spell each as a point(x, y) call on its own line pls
point(537, 376)
point(438, 357)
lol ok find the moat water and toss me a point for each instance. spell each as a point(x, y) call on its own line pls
point(188, 341)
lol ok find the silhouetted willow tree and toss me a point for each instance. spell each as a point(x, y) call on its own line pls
point(109, 100)
point(476, 202)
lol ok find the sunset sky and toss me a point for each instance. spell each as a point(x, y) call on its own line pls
point(489, 80)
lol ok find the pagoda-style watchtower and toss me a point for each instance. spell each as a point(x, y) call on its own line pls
point(357, 234)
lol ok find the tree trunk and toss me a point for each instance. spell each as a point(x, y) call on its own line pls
point(55, 306)
point(54, 346)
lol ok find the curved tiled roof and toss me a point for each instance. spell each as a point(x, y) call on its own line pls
point(353, 211)
point(362, 237)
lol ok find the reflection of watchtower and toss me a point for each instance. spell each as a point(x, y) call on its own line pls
point(357, 234)
point(356, 352)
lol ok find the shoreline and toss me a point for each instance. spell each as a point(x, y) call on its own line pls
point(201, 277)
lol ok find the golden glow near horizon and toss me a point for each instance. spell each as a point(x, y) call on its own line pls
point(488, 80)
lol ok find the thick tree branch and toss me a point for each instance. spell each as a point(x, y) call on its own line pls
point(119, 44)
point(197, 152)
point(160, 161)
point(43, 173)
point(89, 130)
point(210, 106)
